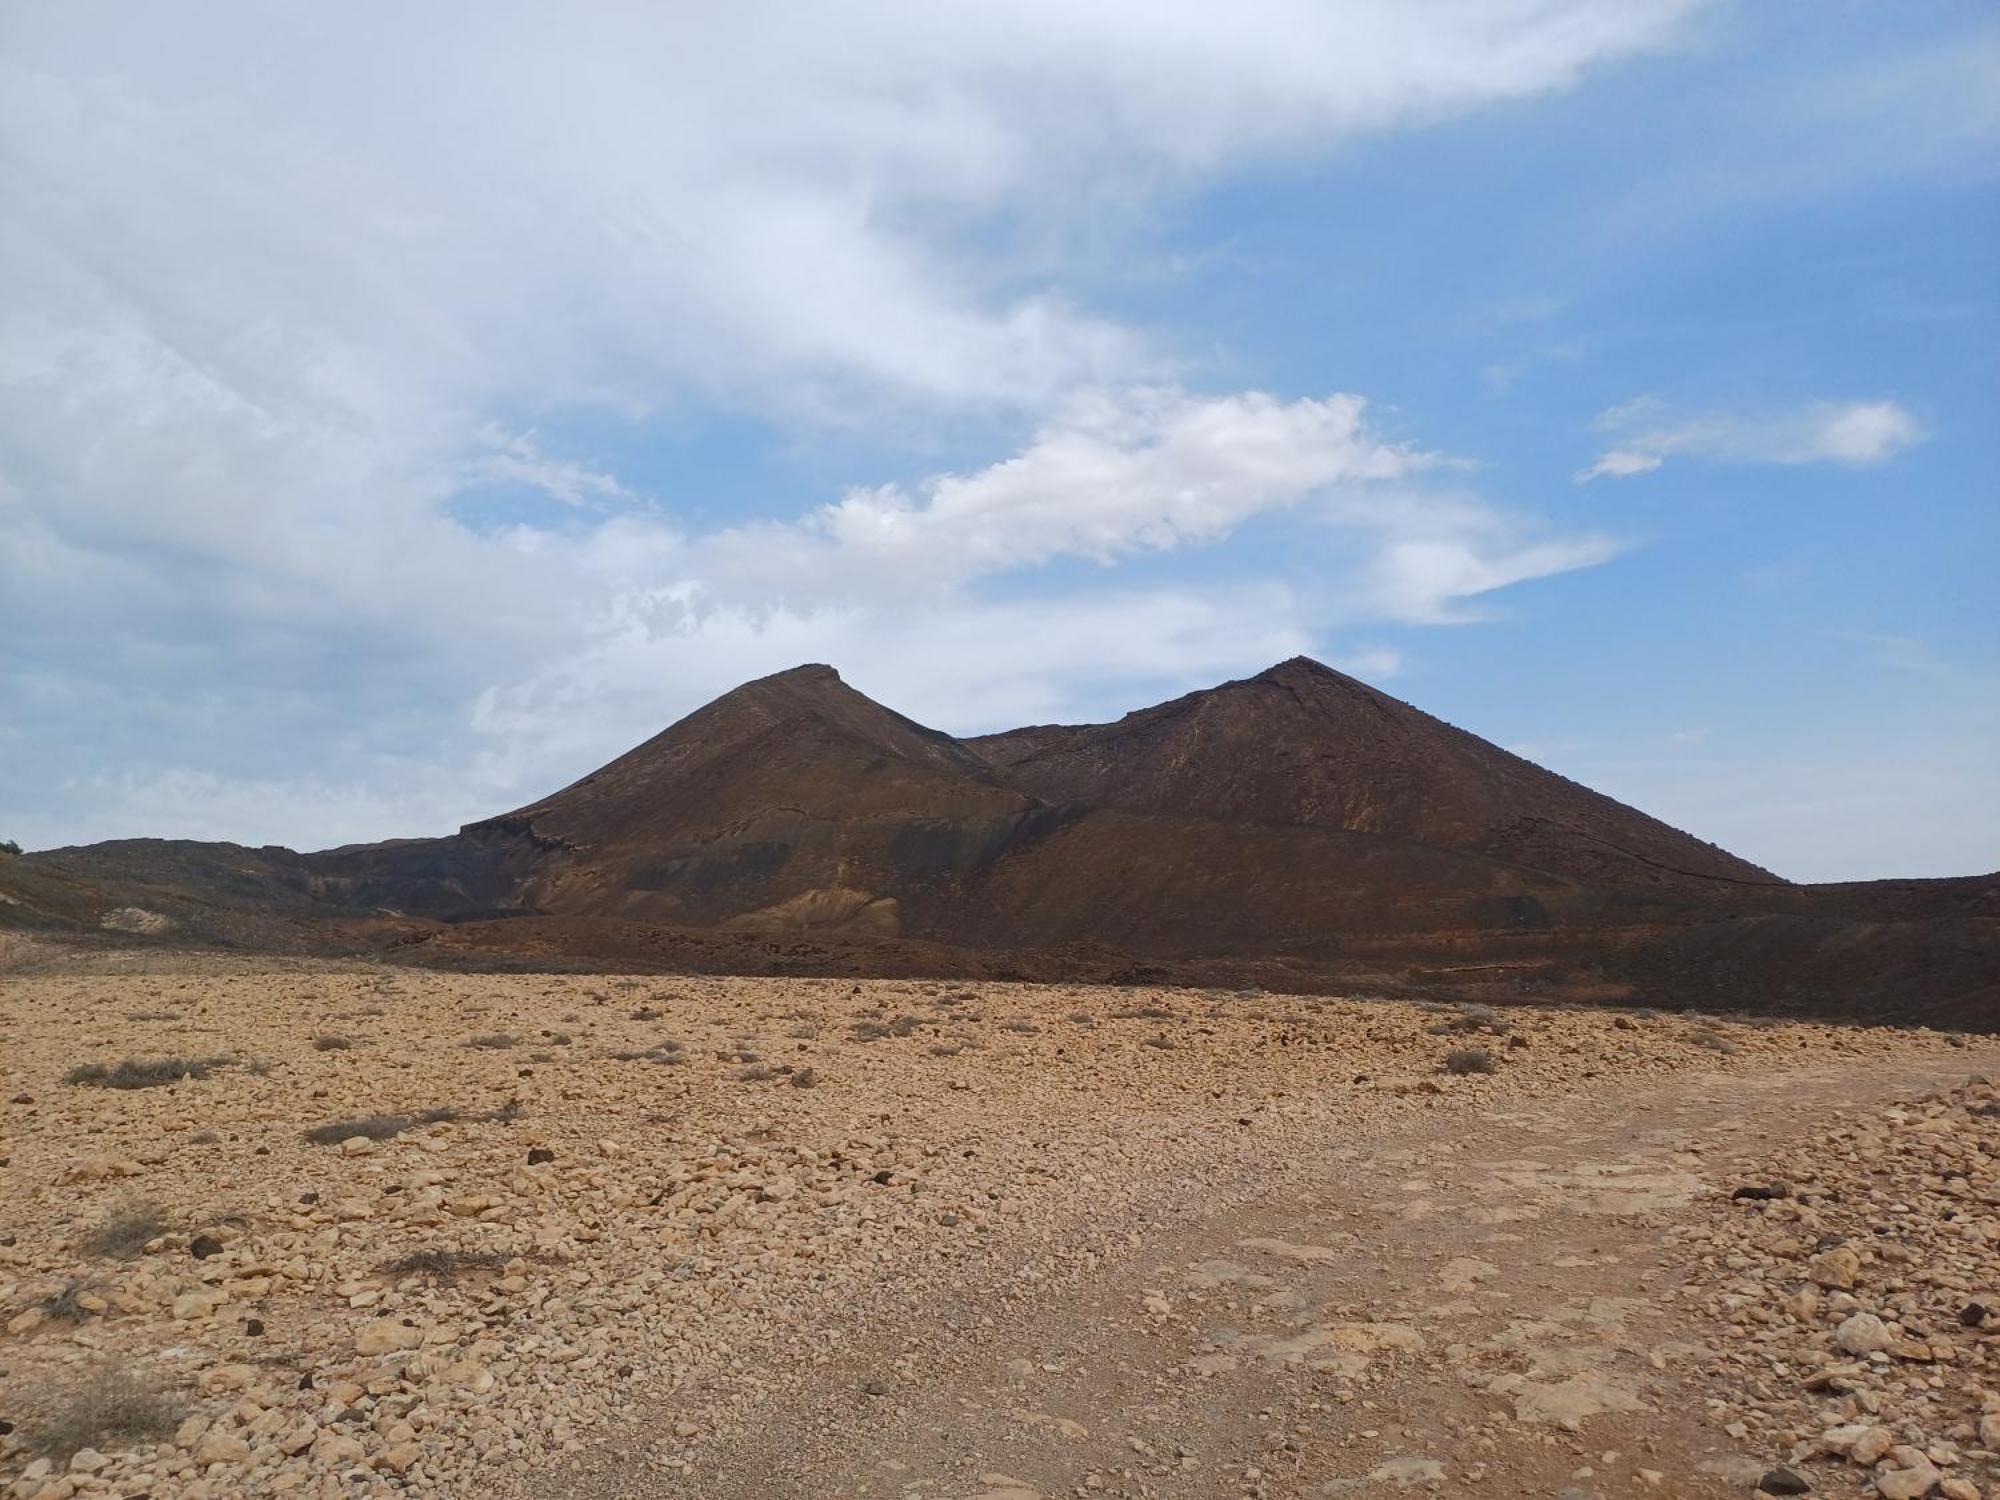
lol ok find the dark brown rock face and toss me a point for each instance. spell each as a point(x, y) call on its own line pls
point(1303, 745)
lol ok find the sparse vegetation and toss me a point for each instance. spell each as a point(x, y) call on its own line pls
point(140, 1072)
point(443, 1262)
point(493, 1040)
point(669, 1052)
point(1473, 1018)
point(329, 1042)
point(1471, 1060)
point(126, 1232)
point(874, 1031)
point(66, 1306)
point(8, 846)
point(376, 1127)
point(107, 1408)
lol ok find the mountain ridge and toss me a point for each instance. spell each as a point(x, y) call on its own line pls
point(1299, 825)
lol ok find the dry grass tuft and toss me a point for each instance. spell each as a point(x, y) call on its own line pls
point(109, 1409)
point(140, 1072)
point(444, 1262)
point(65, 1306)
point(1473, 1018)
point(1471, 1060)
point(388, 1127)
point(331, 1043)
point(127, 1231)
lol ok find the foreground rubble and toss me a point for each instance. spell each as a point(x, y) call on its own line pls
point(1860, 1279)
point(360, 1233)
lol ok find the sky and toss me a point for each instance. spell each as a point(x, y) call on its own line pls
point(404, 410)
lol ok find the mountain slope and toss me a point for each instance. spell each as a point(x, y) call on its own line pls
point(1296, 827)
point(1304, 744)
point(792, 797)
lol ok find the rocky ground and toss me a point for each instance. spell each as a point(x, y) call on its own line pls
point(353, 1232)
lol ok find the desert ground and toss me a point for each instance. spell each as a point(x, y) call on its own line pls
point(300, 1228)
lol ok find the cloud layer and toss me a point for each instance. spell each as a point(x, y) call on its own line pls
point(1647, 433)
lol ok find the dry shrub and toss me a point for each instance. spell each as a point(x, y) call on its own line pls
point(127, 1231)
point(444, 1262)
point(376, 1127)
point(140, 1072)
point(1471, 1060)
point(65, 1306)
point(109, 1408)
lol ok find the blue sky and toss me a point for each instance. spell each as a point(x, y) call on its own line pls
point(389, 434)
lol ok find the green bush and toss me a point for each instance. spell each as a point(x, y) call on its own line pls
point(8, 846)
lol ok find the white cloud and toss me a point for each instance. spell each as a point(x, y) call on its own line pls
point(517, 458)
point(1842, 432)
point(1111, 473)
point(1620, 463)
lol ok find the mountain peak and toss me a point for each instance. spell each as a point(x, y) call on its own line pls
point(1295, 669)
point(810, 671)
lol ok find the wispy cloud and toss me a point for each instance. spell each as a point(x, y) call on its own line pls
point(517, 458)
point(1647, 432)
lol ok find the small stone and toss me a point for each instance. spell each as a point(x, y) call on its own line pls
point(1869, 1448)
point(1836, 1269)
point(400, 1458)
point(1784, 1482)
point(1908, 1474)
point(87, 1461)
point(1864, 1333)
point(202, 1246)
point(386, 1336)
point(229, 1378)
point(332, 1448)
point(221, 1448)
point(199, 1303)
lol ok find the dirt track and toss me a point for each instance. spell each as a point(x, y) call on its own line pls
point(1475, 1304)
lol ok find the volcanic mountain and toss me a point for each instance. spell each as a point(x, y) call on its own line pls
point(1303, 745)
point(1298, 825)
